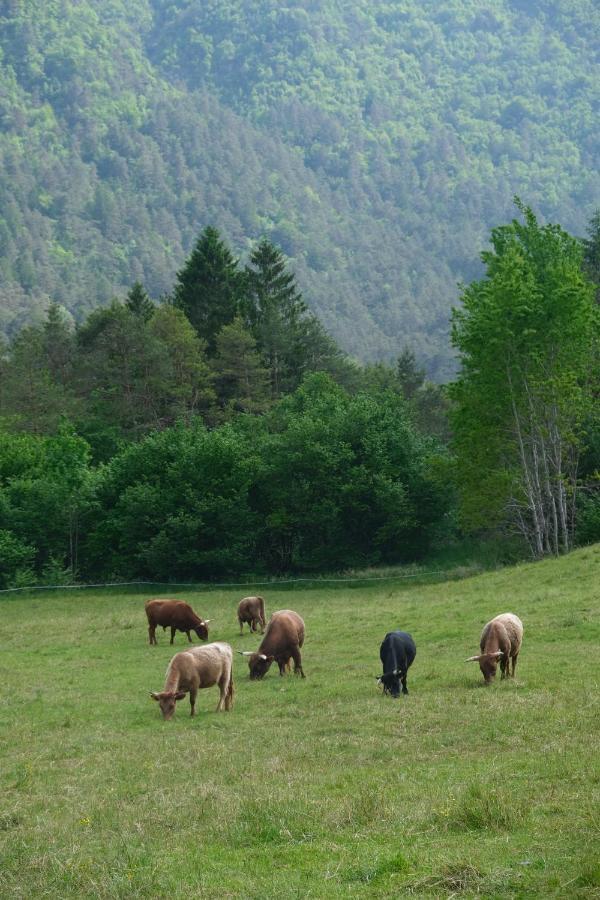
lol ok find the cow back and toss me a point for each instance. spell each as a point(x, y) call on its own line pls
point(397, 650)
point(285, 629)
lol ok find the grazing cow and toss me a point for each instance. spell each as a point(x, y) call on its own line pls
point(500, 640)
point(176, 615)
point(193, 669)
point(252, 611)
point(282, 641)
point(397, 653)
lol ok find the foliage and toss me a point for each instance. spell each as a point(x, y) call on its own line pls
point(527, 335)
point(139, 303)
point(47, 493)
point(323, 480)
point(591, 252)
point(241, 379)
point(345, 480)
point(375, 143)
point(175, 505)
point(209, 287)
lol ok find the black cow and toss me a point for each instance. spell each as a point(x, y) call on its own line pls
point(397, 653)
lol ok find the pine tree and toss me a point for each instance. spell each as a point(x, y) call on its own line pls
point(139, 303)
point(209, 287)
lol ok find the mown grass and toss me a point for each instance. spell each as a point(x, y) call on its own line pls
point(315, 788)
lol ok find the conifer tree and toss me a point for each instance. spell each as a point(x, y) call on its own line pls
point(209, 286)
point(139, 303)
point(58, 344)
point(275, 310)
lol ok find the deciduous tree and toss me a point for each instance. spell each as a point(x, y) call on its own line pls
point(526, 335)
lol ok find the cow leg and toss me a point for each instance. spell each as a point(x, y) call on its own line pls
point(229, 695)
point(173, 630)
point(514, 664)
point(403, 680)
point(193, 693)
point(152, 633)
point(241, 626)
point(297, 662)
point(189, 637)
point(222, 694)
point(282, 664)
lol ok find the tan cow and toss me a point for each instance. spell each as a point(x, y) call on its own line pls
point(194, 669)
point(500, 641)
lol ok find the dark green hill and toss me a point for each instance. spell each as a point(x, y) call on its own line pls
point(375, 145)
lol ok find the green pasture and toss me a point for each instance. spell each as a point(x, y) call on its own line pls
point(314, 788)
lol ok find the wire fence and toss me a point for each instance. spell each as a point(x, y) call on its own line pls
point(237, 584)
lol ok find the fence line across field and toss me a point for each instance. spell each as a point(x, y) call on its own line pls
point(212, 585)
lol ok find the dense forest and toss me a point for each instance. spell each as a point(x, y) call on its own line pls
point(223, 431)
point(376, 144)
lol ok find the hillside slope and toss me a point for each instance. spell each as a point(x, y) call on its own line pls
point(376, 145)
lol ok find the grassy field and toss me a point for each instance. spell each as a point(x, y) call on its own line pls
point(314, 788)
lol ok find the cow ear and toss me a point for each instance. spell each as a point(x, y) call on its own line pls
point(270, 658)
point(179, 695)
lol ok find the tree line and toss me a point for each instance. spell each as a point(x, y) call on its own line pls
point(220, 430)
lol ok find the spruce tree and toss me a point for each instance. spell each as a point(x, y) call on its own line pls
point(209, 286)
point(58, 344)
point(275, 310)
point(139, 303)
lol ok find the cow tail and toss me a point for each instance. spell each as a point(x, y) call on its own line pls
point(262, 610)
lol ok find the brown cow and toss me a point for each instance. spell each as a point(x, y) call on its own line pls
point(500, 640)
point(193, 669)
point(282, 641)
point(176, 615)
point(252, 611)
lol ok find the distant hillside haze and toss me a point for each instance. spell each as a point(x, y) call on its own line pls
point(375, 142)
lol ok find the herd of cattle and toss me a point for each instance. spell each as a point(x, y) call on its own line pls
point(212, 664)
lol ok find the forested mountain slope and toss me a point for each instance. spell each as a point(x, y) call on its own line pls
point(375, 142)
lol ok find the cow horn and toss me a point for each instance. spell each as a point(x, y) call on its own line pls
point(245, 652)
point(262, 656)
point(497, 653)
point(473, 659)
point(206, 621)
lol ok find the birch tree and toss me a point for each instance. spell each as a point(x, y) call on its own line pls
point(526, 335)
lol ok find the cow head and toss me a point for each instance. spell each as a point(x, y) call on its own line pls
point(167, 701)
point(258, 663)
point(390, 682)
point(202, 629)
point(488, 663)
